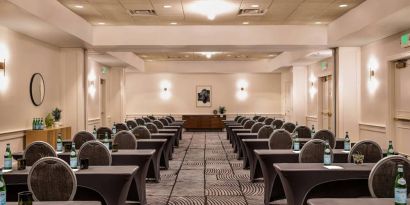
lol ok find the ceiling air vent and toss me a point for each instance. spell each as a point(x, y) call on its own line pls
point(137, 12)
point(251, 12)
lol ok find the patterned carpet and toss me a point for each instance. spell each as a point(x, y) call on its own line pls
point(205, 171)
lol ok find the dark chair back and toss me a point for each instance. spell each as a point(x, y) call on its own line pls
point(131, 124)
point(383, 175)
point(146, 119)
point(152, 127)
point(256, 127)
point(326, 135)
point(141, 132)
point(37, 150)
point(82, 137)
point(169, 120)
point(172, 118)
point(370, 149)
point(280, 139)
point(288, 126)
point(248, 124)
point(277, 124)
point(240, 120)
point(265, 132)
point(303, 132)
point(313, 151)
point(121, 126)
point(152, 118)
point(125, 140)
point(101, 131)
point(261, 119)
point(158, 124)
point(140, 121)
point(236, 118)
point(244, 121)
point(96, 153)
point(256, 117)
point(164, 121)
point(268, 121)
point(51, 179)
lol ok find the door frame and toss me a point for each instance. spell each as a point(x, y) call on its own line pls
point(103, 101)
point(390, 121)
point(320, 101)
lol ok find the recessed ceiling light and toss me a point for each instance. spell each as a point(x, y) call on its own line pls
point(211, 9)
point(229, 55)
point(272, 55)
point(167, 6)
point(343, 5)
point(318, 22)
point(186, 56)
point(144, 56)
point(173, 23)
point(245, 22)
point(101, 23)
point(79, 6)
point(255, 6)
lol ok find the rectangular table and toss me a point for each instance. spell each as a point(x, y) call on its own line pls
point(154, 167)
point(267, 158)
point(168, 149)
point(174, 131)
point(113, 183)
point(140, 158)
point(299, 180)
point(249, 143)
point(61, 203)
point(350, 201)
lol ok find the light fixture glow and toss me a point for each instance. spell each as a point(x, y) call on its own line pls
point(318, 22)
point(255, 6)
point(165, 87)
point(208, 55)
point(242, 93)
point(373, 82)
point(79, 6)
point(101, 23)
point(167, 6)
point(343, 5)
point(312, 89)
point(211, 8)
point(245, 22)
point(173, 23)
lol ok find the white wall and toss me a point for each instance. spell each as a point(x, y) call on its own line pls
point(143, 93)
point(24, 57)
point(299, 94)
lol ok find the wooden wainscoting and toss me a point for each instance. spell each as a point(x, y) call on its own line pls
point(375, 132)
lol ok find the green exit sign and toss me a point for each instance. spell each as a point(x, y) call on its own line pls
point(323, 65)
point(405, 40)
point(104, 69)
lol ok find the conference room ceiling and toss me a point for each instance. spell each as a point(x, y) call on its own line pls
point(185, 12)
point(207, 56)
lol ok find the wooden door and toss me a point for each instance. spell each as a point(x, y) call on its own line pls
point(288, 101)
point(402, 108)
point(326, 108)
point(103, 102)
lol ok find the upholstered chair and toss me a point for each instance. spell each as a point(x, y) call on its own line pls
point(51, 179)
point(141, 132)
point(268, 121)
point(125, 140)
point(248, 124)
point(370, 149)
point(152, 127)
point(140, 121)
point(121, 126)
point(277, 124)
point(265, 132)
point(313, 151)
point(159, 124)
point(326, 135)
point(146, 119)
point(37, 150)
point(82, 137)
point(280, 139)
point(303, 132)
point(164, 121)
point(131, 124)
point(101, 132)
point(255, 127)
point(261, 119)
point(96, 153)
point(288, 126)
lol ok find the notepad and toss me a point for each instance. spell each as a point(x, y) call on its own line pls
point(59, 152)
point(74, 170)
point(7, 170)
point(344, 151)
point(333, 167)
point(296, 151)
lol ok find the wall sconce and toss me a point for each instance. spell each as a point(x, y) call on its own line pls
point(371, 74)
point(91, 88)
point(165, 93)
point(3, 67)
point(373, 83)
point(242, 94)
point(312, 89)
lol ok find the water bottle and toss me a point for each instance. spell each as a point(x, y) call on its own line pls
point(400, 187)
point(313, 130)
point(59, 143)
point(296, 143)
point(327, 158)
point(2, 189)
point(114, 129)
point(8, 159)
point(95, 132)
point(390, 150)
point(73, 157)
point(346, 145)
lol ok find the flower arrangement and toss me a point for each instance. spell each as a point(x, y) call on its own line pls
point(56, 114)
point(49, 120)
point(222, 110)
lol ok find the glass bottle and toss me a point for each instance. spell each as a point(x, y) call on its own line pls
point(390, 150)
point(327, 158)
point(73, 157)
point(33, 124)
point(2, 189)
point(59, 143)
point(346, 145)
point(313, 130)
point(114, 129)
point(8, 158)
point(400, 187)
point(95, 132)
point(296, 143)
point(105, 141)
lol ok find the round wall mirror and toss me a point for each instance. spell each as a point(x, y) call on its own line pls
point(37, 89)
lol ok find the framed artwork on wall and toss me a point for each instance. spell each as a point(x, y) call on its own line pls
point(203, 96)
